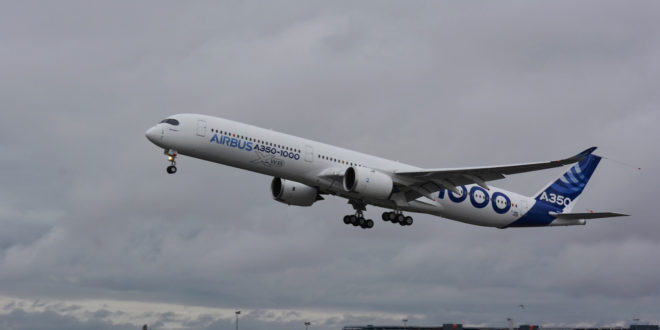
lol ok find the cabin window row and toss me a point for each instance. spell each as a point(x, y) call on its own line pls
point(255, 140)
point(335, 160)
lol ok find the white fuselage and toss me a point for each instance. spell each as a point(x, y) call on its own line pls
point(321, 165)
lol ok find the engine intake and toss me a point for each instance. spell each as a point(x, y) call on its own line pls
point(369, 183)
point(293, 193)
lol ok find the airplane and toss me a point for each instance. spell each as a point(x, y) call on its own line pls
point(304, 171)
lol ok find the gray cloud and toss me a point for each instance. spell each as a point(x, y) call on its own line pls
point(19, 319)
point(88, 212)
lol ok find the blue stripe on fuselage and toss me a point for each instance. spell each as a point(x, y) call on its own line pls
point(537, 216)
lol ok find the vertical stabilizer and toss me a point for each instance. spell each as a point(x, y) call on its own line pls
point(564, 191)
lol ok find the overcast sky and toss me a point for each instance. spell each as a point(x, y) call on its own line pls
point(95, 234)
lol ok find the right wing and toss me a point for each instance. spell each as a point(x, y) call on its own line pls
point(427, 181)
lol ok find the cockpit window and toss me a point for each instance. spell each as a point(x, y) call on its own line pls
point(170, 121)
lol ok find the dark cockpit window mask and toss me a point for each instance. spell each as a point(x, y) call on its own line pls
point(171, 121)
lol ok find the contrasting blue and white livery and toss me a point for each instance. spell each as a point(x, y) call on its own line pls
point(560, 195)
point(304, 171)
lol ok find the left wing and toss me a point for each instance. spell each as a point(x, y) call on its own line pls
point(425, 182)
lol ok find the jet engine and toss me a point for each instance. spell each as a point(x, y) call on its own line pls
point(293, 193)
point(367, 182)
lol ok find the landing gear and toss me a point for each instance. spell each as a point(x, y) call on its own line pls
point(358, 220)
point(171, 157)
point(397, 217)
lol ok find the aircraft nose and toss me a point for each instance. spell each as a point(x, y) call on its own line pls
point(152, 134)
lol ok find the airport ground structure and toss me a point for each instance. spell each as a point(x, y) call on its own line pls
point(454, 326)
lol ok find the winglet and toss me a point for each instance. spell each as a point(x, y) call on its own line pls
point(586, 152)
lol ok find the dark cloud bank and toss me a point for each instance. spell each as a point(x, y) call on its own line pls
point(88, 213)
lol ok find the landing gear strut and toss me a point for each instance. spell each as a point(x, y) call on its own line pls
point(397, 217)
point(171, 157)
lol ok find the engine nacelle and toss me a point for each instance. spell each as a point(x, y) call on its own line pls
point(293, 193)
point(367, 182)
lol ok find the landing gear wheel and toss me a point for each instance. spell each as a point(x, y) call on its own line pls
point(347, 219)
point(385, 216)
point(400, 218)
point(391, 216)
point(171, 157)
point(171, 169)
point(358, 219)
point(354, 220)
point(408, 221)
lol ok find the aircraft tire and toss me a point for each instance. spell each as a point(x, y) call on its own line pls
point(385, 216)
point(408, 221)
point(171, 169)
point(391, 216)
point(354, 220)
point(361, 221)
point(400, 218)
point(369, 223)
point(347, 219)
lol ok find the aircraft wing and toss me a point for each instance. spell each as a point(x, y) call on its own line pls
point(424, 182)
point(587, 216)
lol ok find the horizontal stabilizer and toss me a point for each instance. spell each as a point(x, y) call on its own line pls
point(586, 216)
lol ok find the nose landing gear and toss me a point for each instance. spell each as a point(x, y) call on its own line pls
point(172, 159)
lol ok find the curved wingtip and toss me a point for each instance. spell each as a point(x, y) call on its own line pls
point(586, 152)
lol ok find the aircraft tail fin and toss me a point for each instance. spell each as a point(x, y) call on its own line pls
point(567, 188)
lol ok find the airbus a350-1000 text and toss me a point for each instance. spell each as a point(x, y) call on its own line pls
point(304, 171)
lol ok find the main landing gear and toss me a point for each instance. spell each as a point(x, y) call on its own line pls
point(397, 217)
point(358, 220)
point(172, 159)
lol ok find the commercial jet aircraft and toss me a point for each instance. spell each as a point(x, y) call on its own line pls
point(304, 170)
